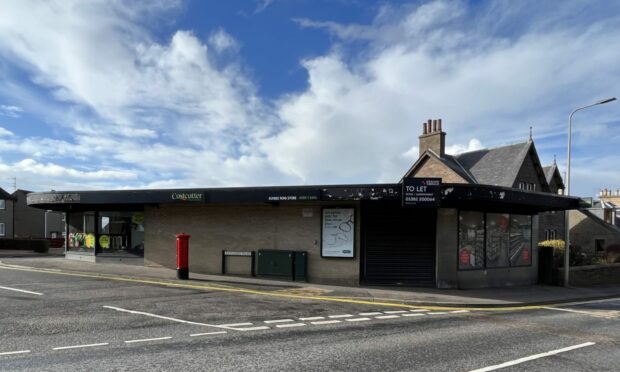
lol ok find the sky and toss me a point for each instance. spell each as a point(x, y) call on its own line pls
point(178, 94)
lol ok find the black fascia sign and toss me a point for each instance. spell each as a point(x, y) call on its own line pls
point(421, 192)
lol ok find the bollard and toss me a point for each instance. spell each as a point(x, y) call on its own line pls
point(183, 256)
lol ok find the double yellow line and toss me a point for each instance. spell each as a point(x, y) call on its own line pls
point(350, 300)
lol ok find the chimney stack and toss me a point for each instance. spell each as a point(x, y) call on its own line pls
point(433, 138)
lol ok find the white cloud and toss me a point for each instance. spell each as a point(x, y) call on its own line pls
point(438, 60)
point(168, 114)
point(473, 145)
point(11, 111)
point(5, 132)
point(262, 5)
point(222, 41)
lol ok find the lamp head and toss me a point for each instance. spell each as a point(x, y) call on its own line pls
point(607, 100)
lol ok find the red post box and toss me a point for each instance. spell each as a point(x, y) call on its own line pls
point(183, 256)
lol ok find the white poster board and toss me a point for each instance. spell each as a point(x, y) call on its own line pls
point(338, 232)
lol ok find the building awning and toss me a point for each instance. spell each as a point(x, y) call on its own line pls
point(462, 196)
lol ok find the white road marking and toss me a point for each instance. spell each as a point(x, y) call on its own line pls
point(395, 312)
point(387, 317)
point(313, 318)
point(371, 313)
point(459, 311)
point(21, 290)
point(79, 346)
point(418, 310)
point(208, 334)
point(290, 325)
point(148, 339)
point(357, 319)
point(236, 324)
point(414, 314)
point(15, 352)
point(326, 322)
point(340, 316)
point(279, 321)
point(599, 314)
point(252, 328)
point(437, 313)
point(532, 357)
point(224, 326)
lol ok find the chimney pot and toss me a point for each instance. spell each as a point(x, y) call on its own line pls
point(432, 138)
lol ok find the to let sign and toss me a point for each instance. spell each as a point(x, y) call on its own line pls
point(421, 192)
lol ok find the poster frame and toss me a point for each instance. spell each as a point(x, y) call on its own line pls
point(355, 217)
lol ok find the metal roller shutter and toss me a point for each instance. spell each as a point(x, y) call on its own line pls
point(398, 244)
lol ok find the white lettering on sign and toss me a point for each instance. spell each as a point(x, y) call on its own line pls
point(187, 196)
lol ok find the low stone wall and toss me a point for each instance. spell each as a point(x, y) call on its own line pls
point(593, 274)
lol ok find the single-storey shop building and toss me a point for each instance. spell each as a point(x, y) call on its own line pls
point(450, 231)
point(476, 236)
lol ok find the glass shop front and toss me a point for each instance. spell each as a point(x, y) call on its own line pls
point(106, 233)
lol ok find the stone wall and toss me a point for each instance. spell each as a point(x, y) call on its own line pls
point(592, 275)
point(432, 167)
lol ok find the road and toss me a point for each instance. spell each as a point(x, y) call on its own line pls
point(57, 322)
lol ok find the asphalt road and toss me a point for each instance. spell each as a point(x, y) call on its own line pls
point(67, 323)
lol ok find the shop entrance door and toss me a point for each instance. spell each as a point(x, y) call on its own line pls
point(398, 244)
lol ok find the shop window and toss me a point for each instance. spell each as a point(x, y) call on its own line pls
point(599, 244)
point(2, 204)
point(81, 232)
point(520, 240)
point(121, 231)
point(471, 240)
point(2, 232)
point(498, 239)
point(494, 240)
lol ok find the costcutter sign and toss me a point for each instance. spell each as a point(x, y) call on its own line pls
point(187, 196)
point(421, 192)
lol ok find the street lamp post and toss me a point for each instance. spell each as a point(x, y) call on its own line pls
point(567, 213)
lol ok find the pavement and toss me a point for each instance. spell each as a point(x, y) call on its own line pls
point(501, 298)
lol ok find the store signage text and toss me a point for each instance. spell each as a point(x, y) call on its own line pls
point(421, 192)
point(293, 198)
point(187, 196)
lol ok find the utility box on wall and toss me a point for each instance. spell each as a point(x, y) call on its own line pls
point(283, 264)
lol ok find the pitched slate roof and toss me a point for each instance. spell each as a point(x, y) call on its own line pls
point(5, 195)
point(498, 166)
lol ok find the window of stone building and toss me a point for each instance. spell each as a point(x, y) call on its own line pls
point(2, 232)
point(2, 204)
point(607, 215)
point(528, 186)
point(551, 234)
point(599, 244)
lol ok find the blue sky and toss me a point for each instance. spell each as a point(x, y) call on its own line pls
point(159, 94)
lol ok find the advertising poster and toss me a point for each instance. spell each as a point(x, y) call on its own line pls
point(338, 238)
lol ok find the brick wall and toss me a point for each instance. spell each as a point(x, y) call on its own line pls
point(244, 228)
